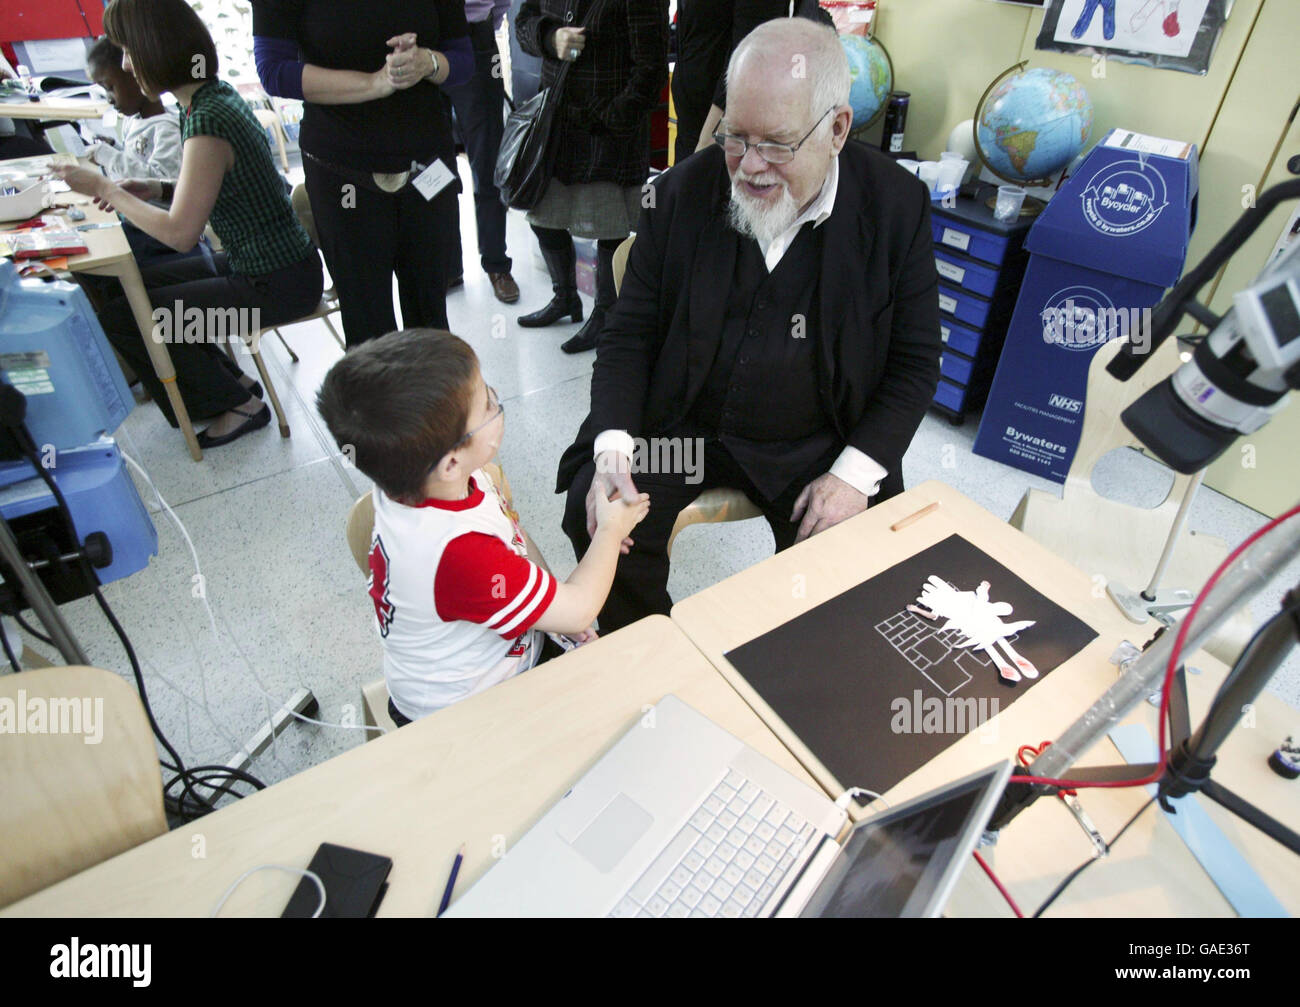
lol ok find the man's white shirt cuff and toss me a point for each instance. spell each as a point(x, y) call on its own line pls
point(858, 470)
point(620, 441)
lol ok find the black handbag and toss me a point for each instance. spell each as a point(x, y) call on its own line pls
point(526, 159)
point(527, 156)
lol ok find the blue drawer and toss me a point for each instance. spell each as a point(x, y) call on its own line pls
point(958, 337)
point(964, 306)
point(982, 245)
point(966, 273)
point(950, 395)
point(956, 367)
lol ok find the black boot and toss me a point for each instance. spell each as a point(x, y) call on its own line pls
point(560, 264)
point(585, 338)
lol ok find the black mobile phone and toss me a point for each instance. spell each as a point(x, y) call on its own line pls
point(355, 883)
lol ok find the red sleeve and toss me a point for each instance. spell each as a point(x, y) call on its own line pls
point(482, 580)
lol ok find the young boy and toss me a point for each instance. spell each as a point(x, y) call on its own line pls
point(150, 135)
point(462, 596)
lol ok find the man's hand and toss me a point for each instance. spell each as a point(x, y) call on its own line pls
point(825, 502)
point(614, 475)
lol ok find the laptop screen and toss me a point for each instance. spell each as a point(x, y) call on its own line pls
point(898, 864)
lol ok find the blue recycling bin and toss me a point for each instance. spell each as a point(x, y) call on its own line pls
point(1102, 254)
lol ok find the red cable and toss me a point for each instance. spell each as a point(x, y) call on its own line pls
point(1172, 667)
point(1001, 887)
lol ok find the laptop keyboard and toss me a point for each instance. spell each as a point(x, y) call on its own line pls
point(727, 859)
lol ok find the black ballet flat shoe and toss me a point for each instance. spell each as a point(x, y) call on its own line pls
point(255, 421)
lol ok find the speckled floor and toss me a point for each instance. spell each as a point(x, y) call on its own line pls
point(266, 517)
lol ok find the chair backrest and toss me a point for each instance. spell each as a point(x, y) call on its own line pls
point(619, 262)
point(361, 525)
point(302, 207)
point(361, 518)
point(80, 783)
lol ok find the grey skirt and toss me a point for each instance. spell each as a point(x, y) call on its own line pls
point(589, 210)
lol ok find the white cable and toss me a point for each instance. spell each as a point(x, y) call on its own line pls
point(276, 867)
point(208, 607)
point(846, 798)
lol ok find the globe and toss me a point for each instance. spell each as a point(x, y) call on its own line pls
point(1031, 124)
point(872, 73)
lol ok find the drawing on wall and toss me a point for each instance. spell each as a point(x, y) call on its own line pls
point(1165, 34)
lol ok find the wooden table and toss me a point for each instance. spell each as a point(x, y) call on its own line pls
point(480, 772)
point(54, 109)
point(1151, 873)
point(109, 254)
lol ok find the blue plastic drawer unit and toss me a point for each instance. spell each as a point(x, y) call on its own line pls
point(980, 262)
point(968, 308)
point(966, 273)
point(959, 337)
point(956, 367)
point(950, 396)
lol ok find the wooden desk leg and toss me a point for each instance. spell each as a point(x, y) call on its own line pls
point(138, 298)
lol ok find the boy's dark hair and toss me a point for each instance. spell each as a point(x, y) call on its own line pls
point(168, 42)
point(398, 404)
point(104, 54)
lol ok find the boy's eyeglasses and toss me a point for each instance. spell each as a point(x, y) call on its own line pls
point(769, 150)
point(496, 409)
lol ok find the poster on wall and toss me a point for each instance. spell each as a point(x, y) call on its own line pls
point(1164, 34)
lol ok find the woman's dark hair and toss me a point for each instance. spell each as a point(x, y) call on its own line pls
point(398, 404)
point(168, 43)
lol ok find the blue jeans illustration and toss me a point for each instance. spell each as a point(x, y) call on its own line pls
point(1108, 18)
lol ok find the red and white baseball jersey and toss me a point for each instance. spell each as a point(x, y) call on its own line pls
point(455, 597)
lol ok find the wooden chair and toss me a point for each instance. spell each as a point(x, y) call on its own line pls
point(719, 504)
point(329, 299)
point(359, 531)
point(1119, 541)
point(270, 119)
point(71, 801)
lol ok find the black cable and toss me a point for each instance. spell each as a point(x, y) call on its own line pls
point(31, 629)
point(204, 805)
point(1090, 861)
point(9, 651)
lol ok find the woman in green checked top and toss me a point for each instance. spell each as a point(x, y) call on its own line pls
point(269, 271)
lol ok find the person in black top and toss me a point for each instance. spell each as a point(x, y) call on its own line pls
point(703, 44)
point(618, 51)
point(368, 72)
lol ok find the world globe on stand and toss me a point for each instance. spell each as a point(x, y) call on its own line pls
point(1032, 124)
point(872, 74)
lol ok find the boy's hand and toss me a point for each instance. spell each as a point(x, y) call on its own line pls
point(613, 474)
point(586, 636)
point(622, 515)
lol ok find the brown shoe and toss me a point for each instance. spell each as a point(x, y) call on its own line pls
point(504, 286)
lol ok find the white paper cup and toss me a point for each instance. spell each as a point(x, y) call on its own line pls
point(1010, 199)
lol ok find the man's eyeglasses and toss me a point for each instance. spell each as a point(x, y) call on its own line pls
point(769, 150)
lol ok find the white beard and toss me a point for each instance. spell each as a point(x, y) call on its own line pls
point(757, 219)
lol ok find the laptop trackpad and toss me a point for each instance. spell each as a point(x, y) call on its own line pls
point(613, 832)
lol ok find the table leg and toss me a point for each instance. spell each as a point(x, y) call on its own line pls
point(133, 286)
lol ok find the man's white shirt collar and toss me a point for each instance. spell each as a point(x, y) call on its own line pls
point(818, 210)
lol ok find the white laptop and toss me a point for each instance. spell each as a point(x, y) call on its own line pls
point(681, 819)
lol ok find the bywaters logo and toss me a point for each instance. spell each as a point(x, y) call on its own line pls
point(1124, 197)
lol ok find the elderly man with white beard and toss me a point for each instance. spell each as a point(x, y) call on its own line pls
point(779, 318)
